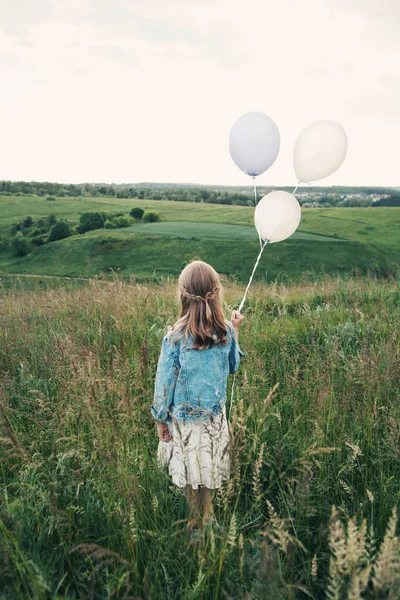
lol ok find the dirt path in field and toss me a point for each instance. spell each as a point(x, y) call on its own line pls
point(4, 274)
point(63, 277)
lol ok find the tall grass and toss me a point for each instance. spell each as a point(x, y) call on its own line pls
point(310, 509)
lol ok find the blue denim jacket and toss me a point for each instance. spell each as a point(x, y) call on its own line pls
point(191, 384)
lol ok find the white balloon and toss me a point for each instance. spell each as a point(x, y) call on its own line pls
point(277, 216)
point(254, 143)
point(319, 150)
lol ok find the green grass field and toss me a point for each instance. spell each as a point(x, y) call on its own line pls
point(310, 508)
point(221, 234)
point(222, 231)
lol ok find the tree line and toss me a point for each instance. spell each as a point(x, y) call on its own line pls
point(332, 196)
point(53, 190)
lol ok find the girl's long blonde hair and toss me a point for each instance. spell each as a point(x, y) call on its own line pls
point(200, 306)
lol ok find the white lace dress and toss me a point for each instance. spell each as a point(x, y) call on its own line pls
point(199, 452)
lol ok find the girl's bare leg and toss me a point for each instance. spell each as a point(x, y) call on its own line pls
point(206, 500)
point(193, 500)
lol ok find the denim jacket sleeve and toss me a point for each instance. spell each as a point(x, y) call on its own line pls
point(166, 376)
point(235, 352)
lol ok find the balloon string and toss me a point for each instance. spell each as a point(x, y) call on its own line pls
point(255, 204)
point(240, 308)
point(295, 189)
point(252, 275)
point(232, 394)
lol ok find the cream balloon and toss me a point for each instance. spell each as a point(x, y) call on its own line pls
point(277, 216)
point(319, 150)
point(254, 143)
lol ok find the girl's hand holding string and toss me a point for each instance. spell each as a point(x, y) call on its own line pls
point(236, 320)
point(163, 432)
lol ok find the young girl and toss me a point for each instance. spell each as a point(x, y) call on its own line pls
point(197, 355)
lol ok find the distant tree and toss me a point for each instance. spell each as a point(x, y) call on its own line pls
point(26, 187)
point(27, 222)
point(122, 221)
point(38, 240)
point(20, 245)
point(59, 231)
point(50, 199)
point(52, 219)
point(137, 213)
point(62, 192)
point(109, 224)
point(132, 193)
point(151, 216)
point(391, 201)
point(106, 190)
point(90, 221)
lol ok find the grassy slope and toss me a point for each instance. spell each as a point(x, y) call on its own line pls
point(145, 255)
point(371, 237)
point(187, 229)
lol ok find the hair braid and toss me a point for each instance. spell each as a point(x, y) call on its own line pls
point(209, 296)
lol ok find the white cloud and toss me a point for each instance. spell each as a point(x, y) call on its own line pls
point(122, 91)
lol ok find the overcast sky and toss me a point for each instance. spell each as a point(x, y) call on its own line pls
point(128, 91)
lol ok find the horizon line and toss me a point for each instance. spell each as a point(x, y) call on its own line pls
point(185, 183)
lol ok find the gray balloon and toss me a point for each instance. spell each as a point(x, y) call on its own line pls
point(254, 143)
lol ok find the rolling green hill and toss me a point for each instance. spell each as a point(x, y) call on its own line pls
point(221, 231)
point(329, 240)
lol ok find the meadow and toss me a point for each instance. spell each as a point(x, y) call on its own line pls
point(328, 241)
point(310, 509)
